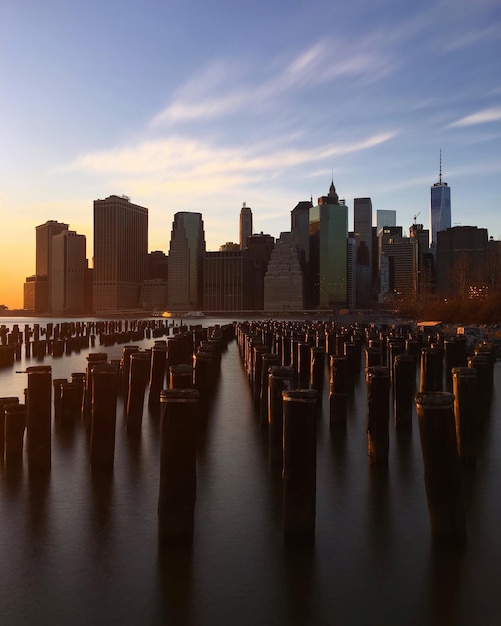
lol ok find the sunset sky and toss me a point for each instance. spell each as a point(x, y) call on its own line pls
point(201, 106)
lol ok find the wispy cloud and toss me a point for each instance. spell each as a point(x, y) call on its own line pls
point(184, 157)
point(224, 88)
point(481, 117)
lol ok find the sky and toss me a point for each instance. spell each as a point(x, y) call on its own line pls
point(203, 105)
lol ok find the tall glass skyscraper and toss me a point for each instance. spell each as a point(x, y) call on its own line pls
point(440, 207)
point(328, 252)
point(185, 284)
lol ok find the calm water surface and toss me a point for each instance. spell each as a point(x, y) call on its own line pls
point(80, 549)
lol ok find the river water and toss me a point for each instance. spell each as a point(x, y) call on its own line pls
point(76, 549)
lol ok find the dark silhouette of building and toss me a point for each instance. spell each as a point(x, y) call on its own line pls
point(245, 226)
point(461, 260)
point(120, 253)
point(229, 281)
point(260, 247)
point(186, 262)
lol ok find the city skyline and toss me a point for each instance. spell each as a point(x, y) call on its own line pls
point(209, 126)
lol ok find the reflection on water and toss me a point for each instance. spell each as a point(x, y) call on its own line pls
point(80, 546)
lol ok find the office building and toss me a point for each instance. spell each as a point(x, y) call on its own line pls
point(186, 262)
point(328, 252)
point(283, 281)
point(260, 247)
point(461, 260)
point(67, 273)
point(245, 226)
point(36, 294)
point(120, 254)
point(440, 207)
point(362, 222)
point(44, 234)
point(300, 229)
point(229, 281)
point(385, 217)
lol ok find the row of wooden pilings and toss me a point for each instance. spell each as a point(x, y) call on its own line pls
point(177, 372)
point(57, 340)
point(285, 364)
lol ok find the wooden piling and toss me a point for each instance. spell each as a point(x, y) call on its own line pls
point(177, 493)
point(435, 411)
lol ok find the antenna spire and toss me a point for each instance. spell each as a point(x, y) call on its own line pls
point(440, 174)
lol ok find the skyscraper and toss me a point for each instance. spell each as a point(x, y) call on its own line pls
point(44, 234)
point(67, 274)
point(245, 226)
point(440, 207)
point(328, 251)
point(120, 253)
point(362, 213)
point(186, 262)
point(385, 217)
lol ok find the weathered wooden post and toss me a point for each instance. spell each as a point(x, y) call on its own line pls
point(3, 403)
point(338, 391)
point(464, 386)
point(303, 364)
point(39, 416)
point(157, 371)
point(378, 413)
point(317, 371)
point(105, 383)
point(431, 370)
point(280, 379)
point(178, 480)
point(180, 376)
point(404, 387)
point(139, 370)
point(435, 411)
point(268, 360)
point(14, 427)
point(299, 464)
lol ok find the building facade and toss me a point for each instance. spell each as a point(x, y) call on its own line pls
point(245, 226)
point(43, 261)
point(328, 252)
point(68, 273)
point(228, 281)
point(440, 208)
point(283, 281)
point(461, 260)
point(120, 254)
point(186, 262)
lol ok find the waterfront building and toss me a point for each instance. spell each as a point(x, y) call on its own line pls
point(461, 260)
point(120, 254)
point(229, 280)
point(283, 281)
point(153, 297)
point(43, 258)
point(328, 252)
point(186, 262)
point(36, 294)
point(67, 274)
point(158, 265)
point(440, 207)
point(245, 226)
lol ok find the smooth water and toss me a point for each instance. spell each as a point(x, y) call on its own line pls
point(80, 549)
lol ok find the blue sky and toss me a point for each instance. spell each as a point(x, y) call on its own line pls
point(201, 106)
